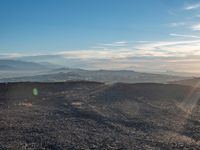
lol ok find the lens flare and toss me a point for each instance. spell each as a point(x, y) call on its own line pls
point(35, 92)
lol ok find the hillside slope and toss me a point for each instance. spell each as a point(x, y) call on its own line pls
point(93, 115)
point(195, 82)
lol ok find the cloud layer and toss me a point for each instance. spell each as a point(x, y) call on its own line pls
point(180, 52)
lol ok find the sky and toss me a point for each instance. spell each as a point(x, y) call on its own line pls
point(143, 35)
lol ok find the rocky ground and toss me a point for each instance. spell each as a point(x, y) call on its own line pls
point(92, 115)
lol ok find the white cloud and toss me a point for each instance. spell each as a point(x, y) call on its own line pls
point(196, 27)
point(192, 7)
point(121, 42)
point(10, 55)
point(170, 48)
point(181, 48)
point(184, 35)
point(115, 44)
point(98, 54)
point(142, 41)
point(177, 24)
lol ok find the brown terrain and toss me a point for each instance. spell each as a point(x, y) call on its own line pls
point(92, 115)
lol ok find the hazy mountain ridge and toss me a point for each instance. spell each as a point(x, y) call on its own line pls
point(194, 82)
point(10, 65)
point(108, 76)
point(184, 74)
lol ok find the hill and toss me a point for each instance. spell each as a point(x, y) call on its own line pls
point(10, 65)
point(195, 82)
point(107, 76)
point(94, 115)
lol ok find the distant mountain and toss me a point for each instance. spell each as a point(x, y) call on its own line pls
point(195, 82)
point(108, 76)
point(7, 67)
point(19, 65)
point(50, 65)
point(184, 74)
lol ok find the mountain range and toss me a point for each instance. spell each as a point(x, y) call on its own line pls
point(22, 71)
point(10, 65)
point(107, 76)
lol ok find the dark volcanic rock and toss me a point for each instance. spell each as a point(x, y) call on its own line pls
point(92, 115)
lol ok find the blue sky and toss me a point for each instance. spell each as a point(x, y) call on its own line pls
point(104, 29)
